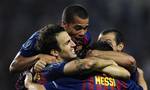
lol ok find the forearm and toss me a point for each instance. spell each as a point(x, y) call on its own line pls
point(21, 63)
point(84, 65)
point(141, 80)
point(143, 84)
point(35, 86)
point(120, 58)
point(31, 85)
point(116, 72)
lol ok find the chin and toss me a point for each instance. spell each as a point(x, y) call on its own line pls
point(74, 56)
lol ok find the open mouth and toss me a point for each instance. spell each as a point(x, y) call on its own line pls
point(73, 51)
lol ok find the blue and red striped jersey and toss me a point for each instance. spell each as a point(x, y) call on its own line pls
point(55, 79)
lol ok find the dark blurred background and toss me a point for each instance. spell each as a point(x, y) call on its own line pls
point(20, 18)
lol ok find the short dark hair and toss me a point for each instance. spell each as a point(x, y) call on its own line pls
point(118, 35)
point(101, 45)
point(74, 10)
point(47, 38)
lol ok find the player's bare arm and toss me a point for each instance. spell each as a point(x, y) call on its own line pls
point(96, 64)
point(30, 85)
point(120, 58)
point(21, 63)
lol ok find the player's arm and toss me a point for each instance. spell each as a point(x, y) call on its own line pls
point(120, 58)
point(96, 64)
point(30, 85)
point(116, 71)
point(21, 63)
point(141, 80)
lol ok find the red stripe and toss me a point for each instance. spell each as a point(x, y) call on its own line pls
point(91, 83)
point(118, 85)
point(98, 87)
point(84, 85)
point(112, 88)
point(105, 87)
point(124, 86)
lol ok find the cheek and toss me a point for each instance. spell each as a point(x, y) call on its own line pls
point(66, 49)
point(75, 32)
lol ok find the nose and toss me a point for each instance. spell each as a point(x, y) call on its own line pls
point(82, 32)
point(73, 44)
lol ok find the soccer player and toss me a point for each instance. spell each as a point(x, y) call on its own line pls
point(115, 40)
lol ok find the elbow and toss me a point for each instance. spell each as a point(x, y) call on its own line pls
point(131, 64)
point(12, 67)
point(15, 66)
point(127, 75)
point(132, 61)
point(124, 74)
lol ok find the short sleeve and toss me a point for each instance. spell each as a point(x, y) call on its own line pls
point(28, 48)
point(53, 71)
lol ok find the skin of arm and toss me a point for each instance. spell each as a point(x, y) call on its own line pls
point(117, 72)
point(96, 64)
point(30, 85)
point(120, 58)
point(141, 80)
point(21, 63)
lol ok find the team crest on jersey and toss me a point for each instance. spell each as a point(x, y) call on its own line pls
point(27, 44)
point(105, 81)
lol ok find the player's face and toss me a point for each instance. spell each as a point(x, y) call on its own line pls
point(110, 38)
point(66, 45)
point(78, 27)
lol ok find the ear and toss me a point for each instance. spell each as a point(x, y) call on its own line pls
point(54, 52)
point(64, 25)
point(99, 37)
point(120, 46)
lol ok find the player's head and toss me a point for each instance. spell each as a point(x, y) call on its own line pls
point(75, 20)
point(113, 37)
point(54, 40)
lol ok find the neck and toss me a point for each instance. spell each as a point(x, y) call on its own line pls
point(59, 59)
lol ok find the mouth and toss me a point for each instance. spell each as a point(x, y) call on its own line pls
point(80, 36)
point(73, 51)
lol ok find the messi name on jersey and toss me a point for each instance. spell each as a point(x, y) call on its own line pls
point(106, 81)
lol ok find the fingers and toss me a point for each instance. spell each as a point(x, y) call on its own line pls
point(39, 66)
point(47, 58)
point(28, 79)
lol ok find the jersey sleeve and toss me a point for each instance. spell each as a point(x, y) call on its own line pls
point(132, 85)
point(53, 71)
point(28, 48)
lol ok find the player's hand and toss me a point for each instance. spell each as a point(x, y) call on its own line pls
point(28, 79)
point(39, 65)
point(47, 58)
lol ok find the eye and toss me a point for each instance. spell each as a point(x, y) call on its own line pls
point(108, 40)
point(66, 43)
point(78, 27)
point(86, 27)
